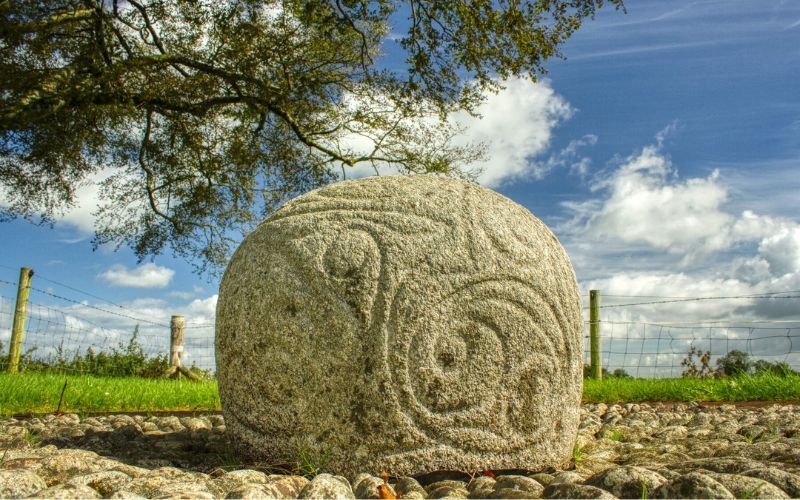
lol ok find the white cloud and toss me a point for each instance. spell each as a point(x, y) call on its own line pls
point(202, 310)
point(781, 251)
point(178, 294)
point(643, 202)
point(148, 275)
point(648, 234)
point(517, 125)
point(654, 288)
point(103, 326)
point(81, 217)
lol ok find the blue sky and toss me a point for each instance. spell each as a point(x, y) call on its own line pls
point(664, 152)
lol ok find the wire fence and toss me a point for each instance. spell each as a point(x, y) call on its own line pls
point(641, 347)
point(650, 350)
point(61, 325)
point(68, 328)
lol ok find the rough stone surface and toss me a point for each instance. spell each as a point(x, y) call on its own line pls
point(366, 486)
point(105, 482)
point(519, 483)
point(67, 490)
point(327, 486)
point(408, 487)
point(628, 481)
point(693, 485)
point(572, 490)
point(788, 482)
point(409, 323)
point(18, 484)
point(748, 487)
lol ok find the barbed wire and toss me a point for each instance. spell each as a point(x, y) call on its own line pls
point(121, 315)
point(61, 338)
point(687, 296)
point(83, 304)
point(39, 276)
point(694, 299)
point(658, 350)
point(704, 324)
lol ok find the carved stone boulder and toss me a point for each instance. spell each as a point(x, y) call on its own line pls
point(407, 324)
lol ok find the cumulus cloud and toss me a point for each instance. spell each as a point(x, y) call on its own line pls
point(81, 216)
point(646, 231)
point(662, 296)
point(644, 202)
point(781, 251)
point(147, 275)
point(517, 125)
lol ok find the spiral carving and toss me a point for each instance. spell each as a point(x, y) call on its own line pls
point(435, 319)
point(454, 365)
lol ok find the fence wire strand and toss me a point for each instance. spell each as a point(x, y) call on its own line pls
point(657, 350)
point(60, 335)
point(640, 348)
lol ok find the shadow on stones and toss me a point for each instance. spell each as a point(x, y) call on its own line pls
point(197, 450)
point(444, 475)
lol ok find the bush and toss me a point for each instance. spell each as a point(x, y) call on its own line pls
point(617, 373)
point(734, 363)
point(122, 361)
point(692, 370)
point(779, 368)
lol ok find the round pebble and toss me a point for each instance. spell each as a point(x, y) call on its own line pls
point(675, 451)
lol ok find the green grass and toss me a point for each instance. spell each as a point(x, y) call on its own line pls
point(40, 392)
point(764, 387)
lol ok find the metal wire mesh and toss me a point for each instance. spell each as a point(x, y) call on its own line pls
point(59, 335)
point(73, 328)
point(657, 349)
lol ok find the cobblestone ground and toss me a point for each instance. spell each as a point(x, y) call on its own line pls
point(624, 451)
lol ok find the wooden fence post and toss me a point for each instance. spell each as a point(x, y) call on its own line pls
point(176, 368)
point(18, 328)
point(176, 325)
point(594, 334)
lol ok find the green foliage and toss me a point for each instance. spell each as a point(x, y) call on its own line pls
point(778, 368)
point(734, 363)
point(737, 363)
point(202, 117)
point(752, 493)
point(577, 453)
point(32, 439)
point(617, 373)
point(122, 361)
point(692, 369)
point(616, 435)
point(311, 463)
point(620, 373)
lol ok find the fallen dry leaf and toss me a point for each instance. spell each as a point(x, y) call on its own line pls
point(385, 492)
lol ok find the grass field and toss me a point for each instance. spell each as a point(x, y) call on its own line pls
point(765, 387)
point(39, 393)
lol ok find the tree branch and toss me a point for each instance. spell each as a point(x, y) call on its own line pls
point(152, 31)
point(54, 20)
point(149, 175)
